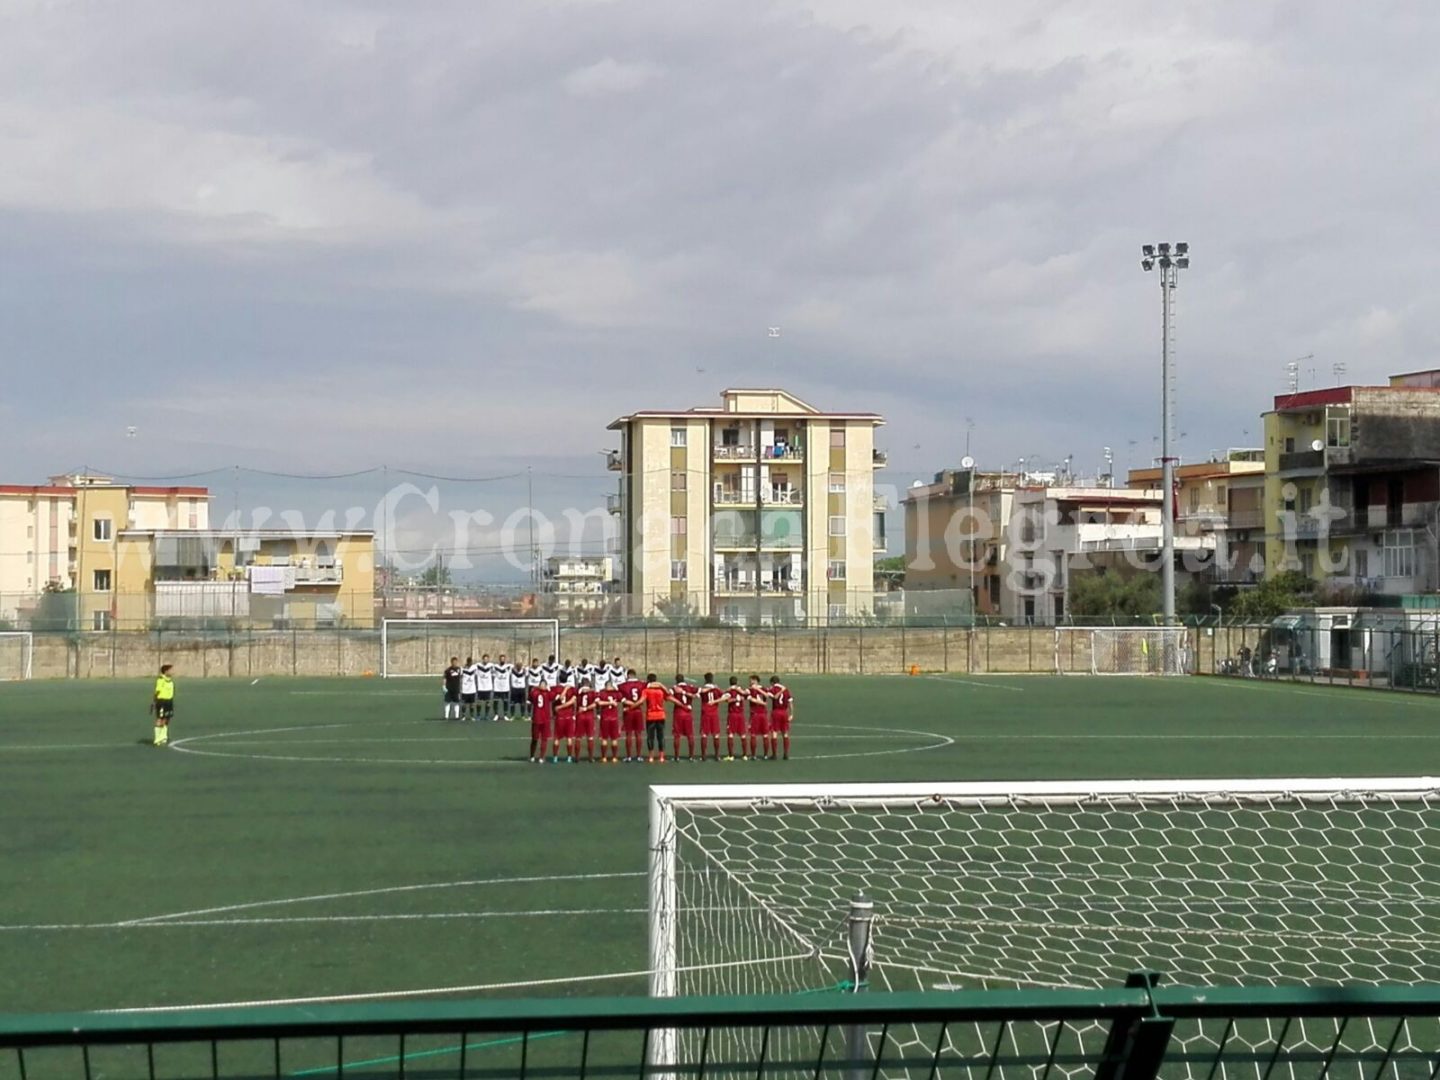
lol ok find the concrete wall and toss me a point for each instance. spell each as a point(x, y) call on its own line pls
point(424, 649)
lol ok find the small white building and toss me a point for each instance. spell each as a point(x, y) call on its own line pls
point(578, 584)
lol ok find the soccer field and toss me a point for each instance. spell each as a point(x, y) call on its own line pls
point(304, 838)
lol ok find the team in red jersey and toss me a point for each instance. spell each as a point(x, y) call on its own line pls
point(567, 715)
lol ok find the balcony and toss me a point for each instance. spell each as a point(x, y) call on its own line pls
point(742, 584)
point(733, 496)
point(781, 496)
point(1301, 461)
point(614, 461)
point(612, 503)
point(782, 452)
point(734, 452)
point(879, 504)
point(879, 458)
point(1246, 519)
point(736, 542)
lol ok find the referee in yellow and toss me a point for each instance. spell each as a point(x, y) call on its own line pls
point(163, 705)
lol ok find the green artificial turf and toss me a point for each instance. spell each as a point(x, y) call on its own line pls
point(323, 836)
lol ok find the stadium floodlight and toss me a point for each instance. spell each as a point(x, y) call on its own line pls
point(1169, 275)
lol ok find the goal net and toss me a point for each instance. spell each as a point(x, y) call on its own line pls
point(1122, 650)
point(17, 655)
point(756, 888)
point(411, 647)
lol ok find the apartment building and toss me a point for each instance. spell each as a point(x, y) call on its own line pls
point(61, 536)
point(761, 509)
point(957, 537)
point(1352, 485)
point(259, 578)
point(1219, 500)
point(578, 587)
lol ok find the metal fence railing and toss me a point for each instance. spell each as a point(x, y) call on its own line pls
point(1140, 1032)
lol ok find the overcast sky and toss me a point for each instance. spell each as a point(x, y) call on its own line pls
point(460, 238)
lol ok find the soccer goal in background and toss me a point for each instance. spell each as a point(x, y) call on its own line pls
point(803, 889)
point(1122, 650)
point(17, 655)
point(412, 647)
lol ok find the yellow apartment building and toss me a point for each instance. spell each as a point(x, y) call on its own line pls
point(62, 537)
point(759, 510)
point(259, 578)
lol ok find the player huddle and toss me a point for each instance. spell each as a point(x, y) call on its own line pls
point(567, 705)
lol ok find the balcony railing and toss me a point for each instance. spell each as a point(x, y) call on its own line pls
point(734, 452)
point(879, 458)
point(1302, 461)
point(614, 461)
point(726, 583)
point(781, 496)
point(784, 452)
point(728, 496)
point(1246, 519)
point(879, 503)
point(612, 503)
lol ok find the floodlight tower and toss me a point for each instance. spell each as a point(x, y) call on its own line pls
point(1170, 263)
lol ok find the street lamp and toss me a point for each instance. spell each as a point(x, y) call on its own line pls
point(1170, 262)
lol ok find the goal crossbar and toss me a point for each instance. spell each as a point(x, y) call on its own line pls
point(456, 637)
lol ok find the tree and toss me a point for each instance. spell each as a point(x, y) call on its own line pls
point(1274, 596)
point(1108, 595)
point(436, 575)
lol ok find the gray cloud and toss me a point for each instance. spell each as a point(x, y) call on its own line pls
point(452, 235)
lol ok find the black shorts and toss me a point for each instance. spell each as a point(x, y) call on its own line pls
point(452, 697)
point(164, 710)
point(484, 695)
point(517, 695)
point(467, 699)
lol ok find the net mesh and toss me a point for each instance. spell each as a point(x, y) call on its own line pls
point(1337, 887)
point(1126, 650)
point(424, 646)
point(15, 653)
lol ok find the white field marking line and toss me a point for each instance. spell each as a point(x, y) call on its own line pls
point(72, 746)
point(283, 920)
point(387, 890)
point(358, 692)
point(183, 746)
point(975, 682)
point(437, 990)
point(880, 736)
point(1398, 696)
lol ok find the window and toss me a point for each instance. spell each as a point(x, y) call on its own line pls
point(837, 524)
point(837, 438)
point(1290, 444)
point(836, 570)
point(677, 569)
point(29, 532)
point(102, 580)
point(1399, 552)
point(677, 436)
point(836, 611)
point(1306, 495)
point(729, 436)
point(1194, 500)
point(1362, 562)
point(100, 620)
point(677, 480)
point(102, 528)
point(837, 483)
point(677, 526)
point(1337, 430)
point(1307, 563)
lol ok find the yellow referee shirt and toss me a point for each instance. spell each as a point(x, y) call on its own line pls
point(164, 688)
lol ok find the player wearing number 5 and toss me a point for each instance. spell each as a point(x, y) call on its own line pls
point(162, 705)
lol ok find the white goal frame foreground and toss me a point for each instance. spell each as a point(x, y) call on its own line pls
point(26, 641)
point(440, 628)
point(1122, 650)
point(755, 804)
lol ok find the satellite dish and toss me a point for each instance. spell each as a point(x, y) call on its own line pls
point(967, 462)
point(1317, 446)
point(917, 483)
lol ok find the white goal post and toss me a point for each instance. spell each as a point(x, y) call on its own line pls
point(1055, 884)
point(1122, 650)
point(414, 647)
point(17, 655)
point(762, 888)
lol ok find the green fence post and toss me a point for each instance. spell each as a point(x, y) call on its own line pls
point(1129, 1046)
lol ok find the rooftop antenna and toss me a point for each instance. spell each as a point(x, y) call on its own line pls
point(774, 331)
point(1339, 369)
